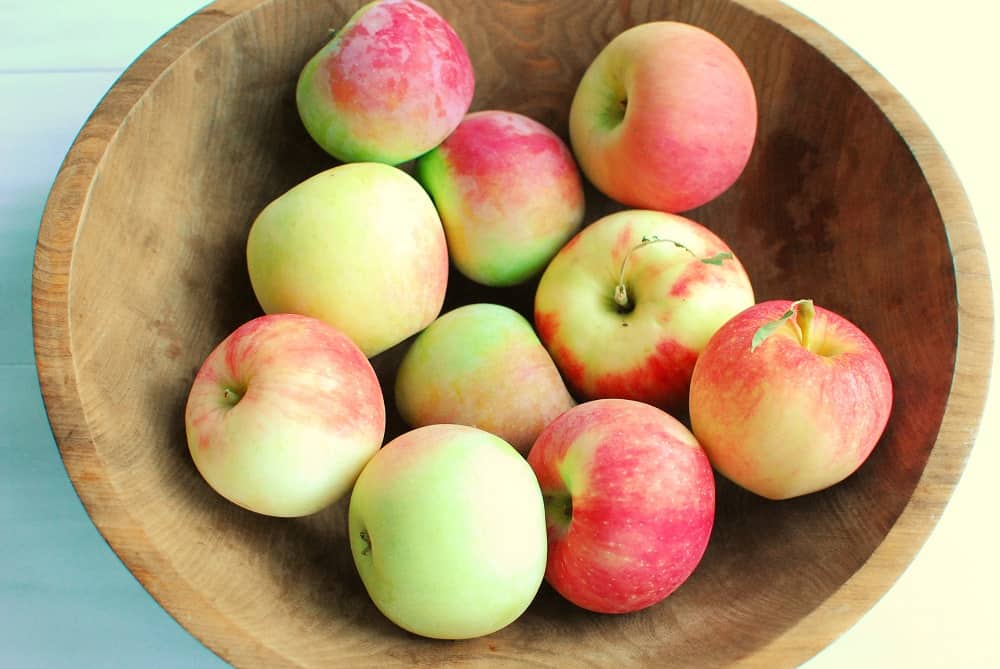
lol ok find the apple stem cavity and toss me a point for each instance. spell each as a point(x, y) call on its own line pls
point(622, 299)
point(800, 313)
point(231, 397)
point(558, 510)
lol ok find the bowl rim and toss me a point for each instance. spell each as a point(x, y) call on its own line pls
point(67, 206)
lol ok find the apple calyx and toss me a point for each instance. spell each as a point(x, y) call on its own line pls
point(558, 511)
point(800, 313)
point(368, 542)
point(621, 297)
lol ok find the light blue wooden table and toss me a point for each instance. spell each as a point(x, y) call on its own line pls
point(65, 598)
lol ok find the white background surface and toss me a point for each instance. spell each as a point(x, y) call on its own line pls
point(66, 600)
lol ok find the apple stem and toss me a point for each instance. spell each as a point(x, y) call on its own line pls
point(231, 397)
point(800, 313)
point(621, 293)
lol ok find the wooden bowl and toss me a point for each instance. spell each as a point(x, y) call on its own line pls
point(140, 271)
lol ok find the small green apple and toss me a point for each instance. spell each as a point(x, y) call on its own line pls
point(482, 365)
point(447, 529)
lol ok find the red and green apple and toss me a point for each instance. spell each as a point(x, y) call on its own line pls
point(283, 415)
point(664, 117)
point(789, 398)
point(509, 194)
point(392, 83)
point(629, 504)
point(627, 305)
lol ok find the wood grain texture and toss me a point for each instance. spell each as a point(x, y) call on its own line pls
point(139, 272)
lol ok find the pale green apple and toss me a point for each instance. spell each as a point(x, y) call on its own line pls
point(359, 246)
point(447, 529)
point(482, 365)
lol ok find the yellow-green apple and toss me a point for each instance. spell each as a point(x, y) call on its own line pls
point(392, 83)
point(629, 504)
point(628, 304)
point(359, 246)
point(283, 415)
point(664, 117)
point(788, 398)
point(481, 365)
point(447, 530)
point(509, 195)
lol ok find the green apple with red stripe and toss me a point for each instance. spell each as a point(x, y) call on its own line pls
point(481, 365)
point(359, 246)
point(283, 415)
point(627, 305)
point(629, 504)
point(393, 82)
point(664, 117)
point(789, 398)
point(509, 194)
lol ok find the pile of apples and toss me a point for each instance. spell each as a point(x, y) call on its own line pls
point(537, 450)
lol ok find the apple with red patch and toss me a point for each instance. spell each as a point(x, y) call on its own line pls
point(628, 304)
point(664, 117)
point(393, 82)
point(629, 504)
point(283, 415)
point(789, 398)
point(509, 194)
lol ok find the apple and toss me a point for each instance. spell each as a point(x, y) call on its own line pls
point(392, 83)
point(359, 246)
point(789, 398)
point(629, 504)
point(664, 117)
point(447, 531)
point(509, 194)
point(283, 415)
point(627, 305)
point(481, 365)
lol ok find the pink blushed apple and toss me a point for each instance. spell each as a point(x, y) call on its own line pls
point(627, 305)
point(283, 415)
point(481, 365)
point(799, 412)
point(393, 82)
point(664, 117)
point(509, 194)
point(629, 500)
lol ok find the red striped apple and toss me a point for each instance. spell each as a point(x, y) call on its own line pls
point(788, 398)
point(283, 415)
point(447, 530)
point(629, 504)
point(509, 195)
point(481, 365)
point(664, 117)
point(629, 303)
point(359, 246)
point(393, 82)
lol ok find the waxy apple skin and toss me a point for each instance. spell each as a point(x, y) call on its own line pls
point(630, 504)
point(664, 117)
point(283, 415)
point(786, 420)
point(359, 246)
point(646, 353)
point(509, 194)
point(390, 85)
point(447, 530)
point(481, 365)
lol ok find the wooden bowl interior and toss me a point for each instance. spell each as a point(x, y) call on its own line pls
point(832, 206)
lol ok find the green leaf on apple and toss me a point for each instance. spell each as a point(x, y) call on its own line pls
point(801, 310)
